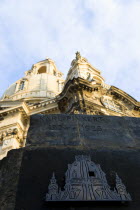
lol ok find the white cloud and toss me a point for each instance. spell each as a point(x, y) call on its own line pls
point(107, 32)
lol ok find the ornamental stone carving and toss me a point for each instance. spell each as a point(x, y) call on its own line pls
point(8, 132)
point(85, 181)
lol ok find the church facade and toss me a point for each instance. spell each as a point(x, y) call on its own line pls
point(68, 144)
point(44, 91)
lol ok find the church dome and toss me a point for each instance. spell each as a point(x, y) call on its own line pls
point(42, 81)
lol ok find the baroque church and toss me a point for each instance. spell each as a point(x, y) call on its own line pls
point(73, 144)
point(44, 91)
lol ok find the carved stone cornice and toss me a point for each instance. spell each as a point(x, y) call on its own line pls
point(124, 96)
point(42, 104)
point(45, 106)
point(74, 99)
point(27, 110)
point(50, 111)
point(76, 84)
point(23, 108)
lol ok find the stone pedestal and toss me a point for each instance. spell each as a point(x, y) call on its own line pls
point(53, 141)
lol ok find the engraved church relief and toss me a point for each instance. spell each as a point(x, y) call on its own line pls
point(111, 104)
point(85, 181)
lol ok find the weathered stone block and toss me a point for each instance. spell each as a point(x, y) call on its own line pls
point(53, 141)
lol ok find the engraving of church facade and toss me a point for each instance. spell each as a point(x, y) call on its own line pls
point(85, 181)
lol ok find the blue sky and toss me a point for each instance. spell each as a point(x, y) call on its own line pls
point(106, 32)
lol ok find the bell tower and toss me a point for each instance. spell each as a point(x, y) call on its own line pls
point(85, 92)
point(84, 85)
point(80, 67)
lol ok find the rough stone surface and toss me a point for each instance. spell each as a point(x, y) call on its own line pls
point(9, 177)
point(85, 130)
point(39, 164)
point(53, 142)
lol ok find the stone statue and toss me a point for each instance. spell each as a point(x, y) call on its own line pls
point(78, 56)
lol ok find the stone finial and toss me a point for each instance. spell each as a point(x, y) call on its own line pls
point(53, 183)
point(53, 179)
point(122, 189)
point(78, 55)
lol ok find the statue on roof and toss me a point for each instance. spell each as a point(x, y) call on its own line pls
point(78, 55)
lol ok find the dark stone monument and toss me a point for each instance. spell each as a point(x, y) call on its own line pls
point(53, 142)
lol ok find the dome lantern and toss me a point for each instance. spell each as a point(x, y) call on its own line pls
point(42, 81)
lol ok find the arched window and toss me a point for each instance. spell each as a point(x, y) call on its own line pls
point(54, 72)
point(91, 173)
point(74, 174)
point(21, 85)
point(42, 70)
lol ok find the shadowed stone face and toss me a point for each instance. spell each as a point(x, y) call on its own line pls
point(79, 130)
point(53, 141)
